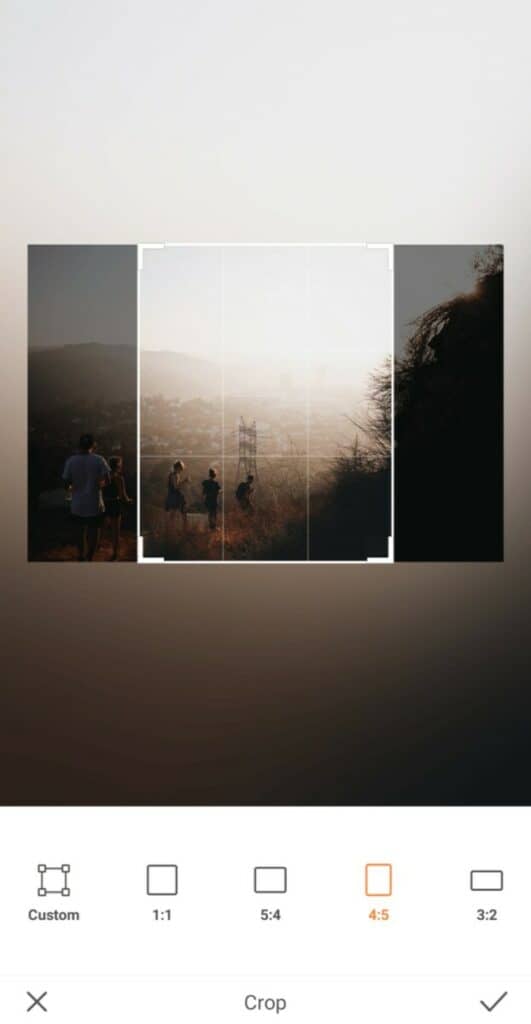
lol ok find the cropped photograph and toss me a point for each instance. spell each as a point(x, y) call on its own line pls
point(265, 403)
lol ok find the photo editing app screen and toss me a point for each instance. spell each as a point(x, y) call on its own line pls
point(264, 735)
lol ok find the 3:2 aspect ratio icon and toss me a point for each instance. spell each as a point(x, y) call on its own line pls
point(54, 881)
point(486, 881)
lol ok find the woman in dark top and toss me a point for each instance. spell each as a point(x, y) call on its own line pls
point(115, 497)
point(211, 491)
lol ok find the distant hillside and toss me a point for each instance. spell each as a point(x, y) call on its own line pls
point(107, 374)
point(182, 376)
point(176, 375)
point(76, 373)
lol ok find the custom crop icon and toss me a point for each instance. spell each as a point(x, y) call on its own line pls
point(54, 881)
point(162, 880)
point(486, 881)
point(378, 879)
point(270, 880)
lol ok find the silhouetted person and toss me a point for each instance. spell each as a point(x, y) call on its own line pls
point(115, 498)
point(85, 474)
point(211, 492)
point(244, 494)
point(175, 499)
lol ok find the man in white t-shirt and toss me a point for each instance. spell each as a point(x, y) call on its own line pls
point(86, 474)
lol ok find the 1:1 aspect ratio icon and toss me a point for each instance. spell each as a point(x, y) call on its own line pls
point(54, 881)
point(162, 880)
point(378, 880)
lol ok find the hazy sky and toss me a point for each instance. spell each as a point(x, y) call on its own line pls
point(81, 293)
point(269, 305)
point(429, 275)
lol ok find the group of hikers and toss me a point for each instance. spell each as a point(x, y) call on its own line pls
point(211, 491)
point(98, 493)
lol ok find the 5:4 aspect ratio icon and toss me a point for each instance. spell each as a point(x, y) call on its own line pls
point(54, 881)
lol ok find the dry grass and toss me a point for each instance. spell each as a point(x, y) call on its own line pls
point(273, 531)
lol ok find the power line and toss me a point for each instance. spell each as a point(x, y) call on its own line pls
point(247, 443)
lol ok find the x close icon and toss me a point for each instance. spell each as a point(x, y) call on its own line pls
point(37, 1001)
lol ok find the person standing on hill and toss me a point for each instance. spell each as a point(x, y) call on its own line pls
point(244, 494)
point(116, 498)
point(211, 492)
point(85, 474)
point(175, 499)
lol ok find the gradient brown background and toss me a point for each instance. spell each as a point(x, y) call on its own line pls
point(307, 684)
point(311, 684)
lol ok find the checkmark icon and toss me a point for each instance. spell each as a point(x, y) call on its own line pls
point(494, 1005)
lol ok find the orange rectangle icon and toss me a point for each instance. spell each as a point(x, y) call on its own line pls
point(378, 879)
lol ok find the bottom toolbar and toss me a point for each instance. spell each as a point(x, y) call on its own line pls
point(300, 1002)
point(304, 914)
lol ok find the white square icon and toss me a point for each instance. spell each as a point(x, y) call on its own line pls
point(270, 880)
point(162, 880)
